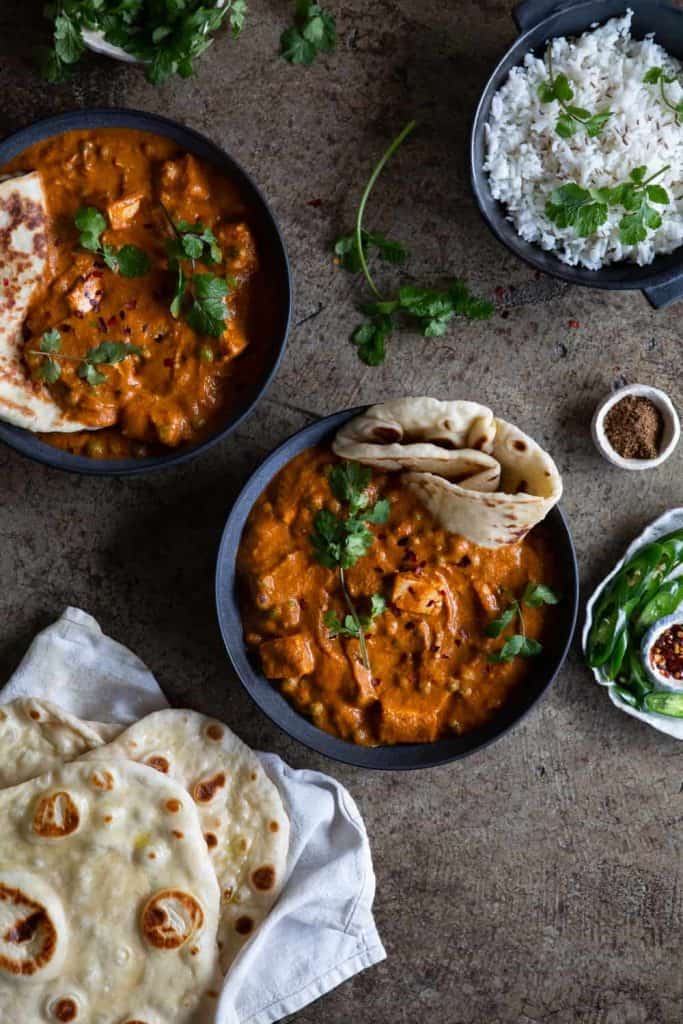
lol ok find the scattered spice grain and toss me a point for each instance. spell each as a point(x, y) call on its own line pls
point(634, 428)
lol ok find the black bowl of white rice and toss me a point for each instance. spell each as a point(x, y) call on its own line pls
point(577, 145)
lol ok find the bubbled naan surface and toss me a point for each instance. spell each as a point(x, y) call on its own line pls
point(36, 736)
point(243, 819)
point(108, 899)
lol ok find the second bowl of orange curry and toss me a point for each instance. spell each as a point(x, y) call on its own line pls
point(161, 245)
point(435, 692)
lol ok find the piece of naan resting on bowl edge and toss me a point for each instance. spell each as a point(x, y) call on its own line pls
point(478, 475)
point(23, 263)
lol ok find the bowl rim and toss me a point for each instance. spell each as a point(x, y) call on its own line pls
point(634, 277)
point(670, 419)
point(27, 443)
point(399, 757)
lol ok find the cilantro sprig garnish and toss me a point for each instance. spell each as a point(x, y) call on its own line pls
point(428, 309)
point(340, 539)
point(658, 76)
point(558, 87)
point(519, 644)
point(107, 353)
point(166, 34)
point(128, 261)
point(585, 209)
point(314, 31)
point(199, 297)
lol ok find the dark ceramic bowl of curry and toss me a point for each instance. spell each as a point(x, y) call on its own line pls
point(165, 297)
point(439, 697)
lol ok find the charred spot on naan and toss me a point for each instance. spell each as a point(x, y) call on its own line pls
point(56, 816)
point(206, 790)
point(170, 918)
point(263, 878)
point(29, 942)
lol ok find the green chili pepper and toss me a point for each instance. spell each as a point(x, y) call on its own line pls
point(665, 703)
point(635, 678)
point(618, 654)
point(665, 601)
point(626, 696)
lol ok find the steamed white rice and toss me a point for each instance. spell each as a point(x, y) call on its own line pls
point(527, 160)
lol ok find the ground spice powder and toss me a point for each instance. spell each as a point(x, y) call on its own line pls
point(634, 428)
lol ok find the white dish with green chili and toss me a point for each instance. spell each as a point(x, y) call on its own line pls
point(666, 524)
point(585, 148)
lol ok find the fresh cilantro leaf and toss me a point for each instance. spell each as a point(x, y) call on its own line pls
point(351, 626)
point(112, 352)
point(659, 76)
point(496, 627)
point(358, 541)
point(314, 31)
point(49, 371)
point(573, 206)
point(530, 648)
point(387, 249)
point(653, 75)
point(68, 41)
point(349, 482)
point(90, 374)
point(571, 118)
point(379, 513)
point(237, 16)
point(370, 339)
point(209, 311)
point(91, 223)
point(51, 341)
point(129, 260)
point(328, 538)
point(638, 174)
point(510, 649)
point(657, 194)
point(536, 594)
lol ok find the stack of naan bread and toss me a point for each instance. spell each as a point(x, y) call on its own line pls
point(134, 864)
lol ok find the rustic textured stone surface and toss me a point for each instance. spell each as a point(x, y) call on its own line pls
point(539, 881)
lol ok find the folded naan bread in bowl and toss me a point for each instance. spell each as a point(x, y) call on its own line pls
point(23, 263)
point(478, 475)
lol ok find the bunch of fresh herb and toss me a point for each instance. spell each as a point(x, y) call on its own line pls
point(314, 31)
point(339, 540)
point(166, 34)
point(585, 209)
point(201, 297)
point(658, 76)
point(107, 353)
point(519, 644)
point(558, 87)
point(427, 308)
point(129, 260)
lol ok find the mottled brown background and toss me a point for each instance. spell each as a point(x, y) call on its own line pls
point(539, 881)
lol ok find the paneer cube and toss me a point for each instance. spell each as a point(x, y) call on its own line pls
point(122, 211)
point(416, 595)
point(413, 718)
point(285, 582)
point(288, 657)
point(86, 294)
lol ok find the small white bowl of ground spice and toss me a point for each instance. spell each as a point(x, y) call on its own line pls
point(636, 427)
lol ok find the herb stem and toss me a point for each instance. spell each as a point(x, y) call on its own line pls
point(366, 195)
point(354, 615)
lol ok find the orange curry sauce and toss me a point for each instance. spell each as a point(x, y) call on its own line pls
point(429, 653)
point(175, 392)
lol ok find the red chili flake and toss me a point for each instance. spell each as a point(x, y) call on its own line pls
point(315, 202)
point(376, 682)
point(127, 330)
point(302, 603)
point(131, 304)
point(101, 324)
point(168, 362)
point(111, 322)
point(58, 242)
point(573, 324)
point(96, 273)
point(122, 314)
point(5, 281)
point(80, 315)
point(66, 328)
point(99, 264)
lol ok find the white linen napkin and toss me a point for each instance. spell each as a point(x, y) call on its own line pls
point(321, 930)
